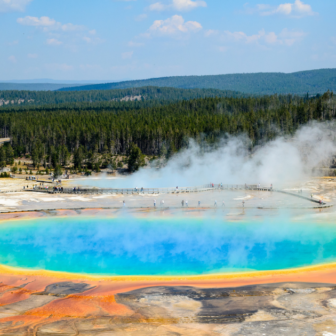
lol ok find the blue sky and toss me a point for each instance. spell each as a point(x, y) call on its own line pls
point(133, 39)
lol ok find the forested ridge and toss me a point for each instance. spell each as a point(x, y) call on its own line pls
point(312, 81)
point(131, 94)
point(86, 136)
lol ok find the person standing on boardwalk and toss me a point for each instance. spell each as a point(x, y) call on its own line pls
point(124, 204)
point(162, 203)
point(199, 203)
point(215, 204)
point(182, 203)
point(154, 203)
point(186, 203)
point(223, 204)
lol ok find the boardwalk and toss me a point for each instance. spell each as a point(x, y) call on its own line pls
point(161, 191)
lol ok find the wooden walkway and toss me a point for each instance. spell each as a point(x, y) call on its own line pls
point(158, 191)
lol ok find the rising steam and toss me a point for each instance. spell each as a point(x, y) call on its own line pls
point(283, 160)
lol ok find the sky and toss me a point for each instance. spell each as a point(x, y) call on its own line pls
point(111, 40)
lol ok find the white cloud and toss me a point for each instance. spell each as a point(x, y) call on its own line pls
point(285, 37)
point(87, 39)
point(43, 21)
point(223, 49)
point(13, 5)
point(211, 32)
point(158, 6)
point(289, 37)
point(173, 25)
point(127, 55)
point(297, 9)
point(92, 39)
point(141, 17)
point(54, 42)
point(135, 44)
point(179, 5)
point(32, 55)
point(183, 5)
point(71, 27)
point(12, 59)
point(48, 24)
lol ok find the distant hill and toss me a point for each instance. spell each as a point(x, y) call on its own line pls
point(155, 94)
point(313, 81)
point(33, 86)
point(57, 81)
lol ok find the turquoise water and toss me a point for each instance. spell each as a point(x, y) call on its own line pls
point(174, 246)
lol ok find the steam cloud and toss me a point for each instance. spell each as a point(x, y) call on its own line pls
point(283, 160)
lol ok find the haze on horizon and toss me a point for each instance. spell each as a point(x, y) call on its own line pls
point(114, 40)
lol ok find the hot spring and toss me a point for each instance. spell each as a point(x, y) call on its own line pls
point(164, 246)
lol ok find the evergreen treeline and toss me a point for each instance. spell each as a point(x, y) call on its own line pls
point(90, 136)
point(144, 93)
point(313, 81)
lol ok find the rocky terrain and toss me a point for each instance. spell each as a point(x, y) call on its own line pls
point(79, 308)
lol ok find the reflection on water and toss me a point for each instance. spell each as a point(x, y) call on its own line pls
point(174, 246)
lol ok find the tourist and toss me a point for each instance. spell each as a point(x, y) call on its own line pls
point(199, 203)
point(223, 204)
point(215, 203)
point(186, 202)
point(154, 203)
point(243, 204)
point(162, 202)
point(182, 203)
point(124, 204)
